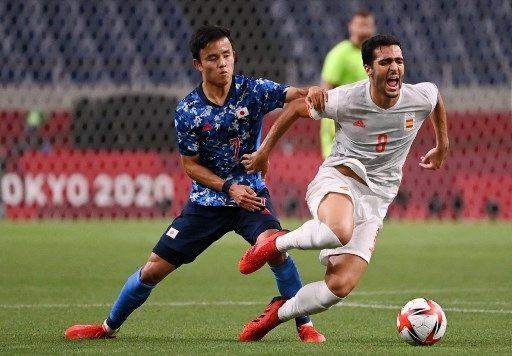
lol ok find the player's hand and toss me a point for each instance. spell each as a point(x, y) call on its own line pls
point(245, 197)
point(255, 162)
point(317, 97)
point(434, 158)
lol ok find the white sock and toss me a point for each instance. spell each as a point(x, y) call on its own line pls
point(313, 298)
point(312, 235)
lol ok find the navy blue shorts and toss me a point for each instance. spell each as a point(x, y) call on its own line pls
point(198, 226)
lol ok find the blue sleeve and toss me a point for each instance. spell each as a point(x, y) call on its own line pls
point(272, 94)
point(188, 142)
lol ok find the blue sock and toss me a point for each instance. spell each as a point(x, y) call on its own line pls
point(288, 282)
point(132, 296)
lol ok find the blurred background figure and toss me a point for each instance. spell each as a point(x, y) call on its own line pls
point(492, 208)
point(435, 207)
point(458, 206)
point(343, 65)
point(401, 202)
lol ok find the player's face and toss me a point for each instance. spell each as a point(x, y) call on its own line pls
point(217, 61)
point(387, 70)
point(361, 27)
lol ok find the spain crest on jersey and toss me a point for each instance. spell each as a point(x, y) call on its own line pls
point(409, 120)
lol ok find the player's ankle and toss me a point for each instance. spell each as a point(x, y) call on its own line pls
point(108, 329)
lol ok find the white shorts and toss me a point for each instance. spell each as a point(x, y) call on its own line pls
point(369, 211)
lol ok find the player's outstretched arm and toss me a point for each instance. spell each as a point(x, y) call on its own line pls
point(243, 195)
point(316, 95)
point(257, 161)
point(435, 158)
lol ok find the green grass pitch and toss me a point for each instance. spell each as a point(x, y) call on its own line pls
point(54, 274)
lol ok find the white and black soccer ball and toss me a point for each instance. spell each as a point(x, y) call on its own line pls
point(421, 322)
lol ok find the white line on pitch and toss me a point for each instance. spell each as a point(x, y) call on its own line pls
point(397, 307)
point(426, 291)
point(185, 304)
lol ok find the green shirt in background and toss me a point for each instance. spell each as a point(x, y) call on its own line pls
point(343, 65)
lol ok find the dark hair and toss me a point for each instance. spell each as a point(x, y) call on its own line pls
point(205, 35)
point(362, 13)
point(374, 42)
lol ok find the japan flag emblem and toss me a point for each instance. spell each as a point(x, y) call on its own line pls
point(172, 232)
point(241, 112)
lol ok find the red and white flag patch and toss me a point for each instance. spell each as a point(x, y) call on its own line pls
point(172, 232)
point(241, 112)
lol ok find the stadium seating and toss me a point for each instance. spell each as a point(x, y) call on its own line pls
point(121, 41)
point(103, 78)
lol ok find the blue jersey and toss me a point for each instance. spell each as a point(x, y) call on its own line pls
point(220, 135)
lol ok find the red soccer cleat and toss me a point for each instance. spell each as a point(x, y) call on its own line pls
point(260, 326)
point(94, 331)
point(308, 333)
point(259, 254)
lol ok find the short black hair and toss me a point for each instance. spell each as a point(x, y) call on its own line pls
point(205, 35)
point(362, 13)
point(368, 47)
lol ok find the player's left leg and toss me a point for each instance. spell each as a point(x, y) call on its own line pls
point(342, 275)
point(288, 281)
point(345, 267)
point(258, 226)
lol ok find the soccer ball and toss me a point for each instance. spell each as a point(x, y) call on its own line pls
point(421, 322)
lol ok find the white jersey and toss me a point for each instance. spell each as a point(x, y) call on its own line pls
point(372, 141)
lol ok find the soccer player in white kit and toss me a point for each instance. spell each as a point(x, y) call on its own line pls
point(378, 120)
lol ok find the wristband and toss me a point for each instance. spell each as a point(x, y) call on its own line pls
point(227, 184)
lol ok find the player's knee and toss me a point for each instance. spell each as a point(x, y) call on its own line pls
point(343, 231)
point(150, 276)
point(155, 271)
point(341, 286)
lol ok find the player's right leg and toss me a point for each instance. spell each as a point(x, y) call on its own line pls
point(188, 236)
point(332, 229)
point(134, 293)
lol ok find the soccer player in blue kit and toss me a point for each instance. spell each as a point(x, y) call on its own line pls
point(216, 124)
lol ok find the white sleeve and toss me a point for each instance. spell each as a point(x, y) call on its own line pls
point(431, 93)
point(331, 106)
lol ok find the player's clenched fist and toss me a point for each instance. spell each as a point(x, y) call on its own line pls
point(434, 158)
point(316, 98)
point(245, 197)
point(255, 162)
